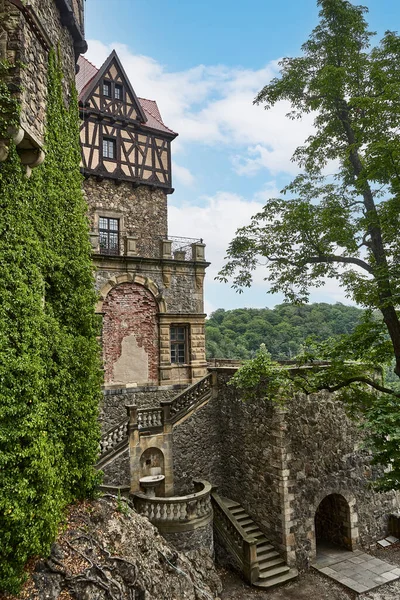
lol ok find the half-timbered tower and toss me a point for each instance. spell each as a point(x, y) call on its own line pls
point(150, 284)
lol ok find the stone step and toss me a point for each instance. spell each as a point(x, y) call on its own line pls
point(269, 583)
point(241, 517)
point(264, 547)
point(252, 530)
point(245, 522)
point(237, 510)
point(267, 554)
point(267, 564)
point(268, 573)
point(231, 503)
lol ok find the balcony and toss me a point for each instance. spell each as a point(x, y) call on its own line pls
point(170, 248)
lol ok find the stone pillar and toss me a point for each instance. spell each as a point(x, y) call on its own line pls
point(131, 245)
point(198, 252)
point(166, 249)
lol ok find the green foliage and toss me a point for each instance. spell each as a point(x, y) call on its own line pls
point(9, 107)
point(49, 356)
point(284, 329)
point(342, 225)
point(262, 377)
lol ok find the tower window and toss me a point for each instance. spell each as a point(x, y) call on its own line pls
point(178, 336)
point(107, 89)
point(109, 148)
point(118, 90)
point(109, 235)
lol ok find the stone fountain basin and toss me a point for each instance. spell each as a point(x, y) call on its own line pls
point(150, 480)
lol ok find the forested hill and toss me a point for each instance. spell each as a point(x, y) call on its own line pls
point(238, 333)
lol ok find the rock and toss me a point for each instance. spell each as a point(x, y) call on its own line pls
point(112, 553)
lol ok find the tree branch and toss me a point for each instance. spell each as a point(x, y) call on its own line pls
point(370, 382)
point(328, 258)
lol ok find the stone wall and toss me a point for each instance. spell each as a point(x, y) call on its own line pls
point(280, 463)
point(118, 471)
point(197, 449)
point(325, 457)
point(21, 45)
point(186, 541)
point(142, 212)
point(181, 292)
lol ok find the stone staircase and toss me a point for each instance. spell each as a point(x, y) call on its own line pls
point(114, 442)
point(265, 567)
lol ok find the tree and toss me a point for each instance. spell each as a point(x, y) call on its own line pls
point(343, 226)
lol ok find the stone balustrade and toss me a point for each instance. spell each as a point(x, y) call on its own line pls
point(150, 418)
point(188, 399)
point(114, 437)
point(242, 546)
point(178, 513)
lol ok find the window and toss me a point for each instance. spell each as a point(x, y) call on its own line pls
point(178, 344)
point(118, 92)
point(107, 89)
point(109, 148)
point(109, 235)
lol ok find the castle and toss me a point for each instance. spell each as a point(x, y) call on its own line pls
point(281, 479)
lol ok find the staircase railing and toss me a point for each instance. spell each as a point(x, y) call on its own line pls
point(242, 546)
point(153, 420)
point(189, 399)
point(114, 440)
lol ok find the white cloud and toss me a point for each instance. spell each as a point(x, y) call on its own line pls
point(214, 105)
point(182, 175)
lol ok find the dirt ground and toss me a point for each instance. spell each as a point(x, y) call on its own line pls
point(311, 586)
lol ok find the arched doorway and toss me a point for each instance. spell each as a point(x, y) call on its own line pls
point(333, 523)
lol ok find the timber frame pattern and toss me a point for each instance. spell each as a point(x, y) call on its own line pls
point(141, 141)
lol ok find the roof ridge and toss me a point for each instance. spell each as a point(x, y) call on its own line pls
point(159, 121)
point(89, 61)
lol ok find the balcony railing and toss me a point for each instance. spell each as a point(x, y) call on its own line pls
point(170, 248)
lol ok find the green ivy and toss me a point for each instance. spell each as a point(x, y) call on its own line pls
point(9, 107)
point(50, 376)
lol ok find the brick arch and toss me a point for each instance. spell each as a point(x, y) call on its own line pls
point(146, 282)
point(130, 335)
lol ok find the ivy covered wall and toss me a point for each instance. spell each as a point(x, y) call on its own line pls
point(50, 374)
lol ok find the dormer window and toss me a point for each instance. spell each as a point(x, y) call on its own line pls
point(107, 89)
point(109, 148)
point(118, 90)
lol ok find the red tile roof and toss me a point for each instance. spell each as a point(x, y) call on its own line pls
point(87, 72)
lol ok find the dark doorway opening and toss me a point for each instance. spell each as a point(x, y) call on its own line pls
point(332, 522)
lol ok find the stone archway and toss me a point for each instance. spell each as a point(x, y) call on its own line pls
point(333, 523)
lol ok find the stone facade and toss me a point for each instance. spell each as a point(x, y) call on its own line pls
point(149, 284)
point(142, 213)
point(27, 32)
point(294, 469)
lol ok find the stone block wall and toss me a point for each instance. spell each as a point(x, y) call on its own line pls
point(325, 457)
point(197, 449)
point(280, 463)
point(26, 41)
point(142, 212)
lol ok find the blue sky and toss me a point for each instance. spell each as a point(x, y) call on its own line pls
point(204, 62)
